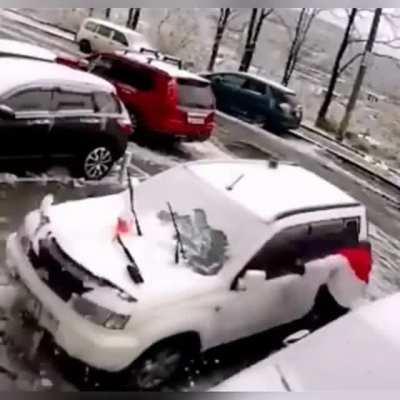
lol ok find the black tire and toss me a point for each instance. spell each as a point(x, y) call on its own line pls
point(325, 310)
point(135, 121)
point(96, 163)
point(85, 46)
point(157, 366)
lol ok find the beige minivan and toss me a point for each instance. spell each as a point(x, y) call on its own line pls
point(99, 36)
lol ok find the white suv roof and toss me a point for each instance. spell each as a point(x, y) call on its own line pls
point(171, 69)
point(20, 72)
point(271, 192)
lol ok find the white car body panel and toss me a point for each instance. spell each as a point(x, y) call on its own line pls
point(102, 44)
point(174, 298)
point(357, 352)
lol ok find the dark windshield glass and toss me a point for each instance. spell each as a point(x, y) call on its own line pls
point(206, 248)
point(196, 94)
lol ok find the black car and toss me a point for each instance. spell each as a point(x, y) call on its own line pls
point(256, 100)
point(54, 113)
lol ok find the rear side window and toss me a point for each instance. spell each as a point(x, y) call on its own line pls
point(107, 103)
point(232, 80)
point(120, 38)
point(91, 26)
point(196, 94)
point(104, 31)
point(255, 86)
point(30, 100)
point(66, 101)
point(282, 97)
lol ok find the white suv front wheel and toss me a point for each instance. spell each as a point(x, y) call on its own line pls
point(156, 367)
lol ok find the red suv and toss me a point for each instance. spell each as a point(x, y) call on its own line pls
point(161, 97)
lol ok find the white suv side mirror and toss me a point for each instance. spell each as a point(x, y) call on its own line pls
point(252, 280)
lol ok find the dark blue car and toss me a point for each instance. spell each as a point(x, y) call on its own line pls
point(256, 100)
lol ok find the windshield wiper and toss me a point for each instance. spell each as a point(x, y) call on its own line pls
point(133, 269)
point(179, 250)
point(132, 198)
point(233, 185)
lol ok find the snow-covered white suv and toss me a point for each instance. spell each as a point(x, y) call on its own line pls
point(195, 257)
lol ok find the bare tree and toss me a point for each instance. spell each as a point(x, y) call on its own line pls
point(224, 14)
point(337, 68)
point(133, 18)
point(361, 73)
point(257, 19)
point(304, 23)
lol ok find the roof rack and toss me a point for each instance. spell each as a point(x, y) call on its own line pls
point(155, 53)
point(173, 60)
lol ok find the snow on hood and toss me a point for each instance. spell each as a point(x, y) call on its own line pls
point(214, 240)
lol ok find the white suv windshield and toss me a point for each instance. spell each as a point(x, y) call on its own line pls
point(211, 226)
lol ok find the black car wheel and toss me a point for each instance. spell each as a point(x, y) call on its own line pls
point(85, 46)
point(97, 163)
point(156, 367)
point(135, 121)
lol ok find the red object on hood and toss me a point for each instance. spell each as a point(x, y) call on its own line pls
point(360, 260)
point(124, 227)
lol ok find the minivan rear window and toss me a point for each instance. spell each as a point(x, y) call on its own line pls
point(195, 94)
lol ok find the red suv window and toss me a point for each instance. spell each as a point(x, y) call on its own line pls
point(195, 94)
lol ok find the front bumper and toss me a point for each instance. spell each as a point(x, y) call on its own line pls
point(95, 346)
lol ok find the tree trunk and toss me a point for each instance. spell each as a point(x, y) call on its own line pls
point(336, 69)
point(130, 17)
point(361, 74)
point(247, 54)
point(108, 13)
point(221, 27)
point(291, 57)
point(136, 18)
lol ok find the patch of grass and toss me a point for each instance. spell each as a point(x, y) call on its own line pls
point(327, 125)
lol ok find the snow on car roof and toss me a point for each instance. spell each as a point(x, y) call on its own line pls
point(21, 72)
point(270, 192)
point(169, 68)
point(11, 47)
point(357, 351)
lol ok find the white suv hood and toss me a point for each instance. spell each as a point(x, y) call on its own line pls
point(88, 235)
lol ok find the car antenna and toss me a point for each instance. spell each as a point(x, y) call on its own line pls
point(133, 269)
point(233, 185)
point(179, 244)
point(132, 199)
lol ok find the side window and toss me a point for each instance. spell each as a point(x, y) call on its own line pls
point(69, 101)
point(279, 255)
point(120, 38)
point(233, 80)
point(106, 103)
point(91, 26)
point(104, 31)
point(255, 86)
point(30, 100)
point(305, 243)
point(138, 77)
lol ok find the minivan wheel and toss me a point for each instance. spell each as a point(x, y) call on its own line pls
point(85, 46)
point(97, 163)
point(156, 367)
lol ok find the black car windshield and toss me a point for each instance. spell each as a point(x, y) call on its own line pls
point(195, 93)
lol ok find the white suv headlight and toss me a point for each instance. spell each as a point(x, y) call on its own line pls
point(99, 315)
